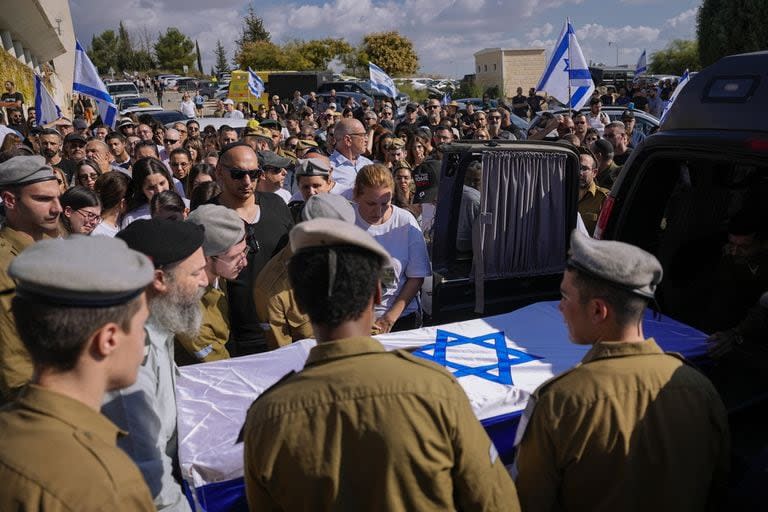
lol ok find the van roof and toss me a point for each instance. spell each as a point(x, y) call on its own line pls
point(731, 94)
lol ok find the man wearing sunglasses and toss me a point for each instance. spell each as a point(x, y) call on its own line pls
point(272, 178)
point(267, 222)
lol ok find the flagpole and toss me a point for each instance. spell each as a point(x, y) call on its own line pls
point(568, 35)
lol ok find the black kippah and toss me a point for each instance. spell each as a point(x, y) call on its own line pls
point(164, 241)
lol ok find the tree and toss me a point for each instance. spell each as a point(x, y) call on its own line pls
point(199, 58)
point(726, 27)
point(125, 57)
point(675, 58)
point(253, 29)
point(174, 50)
point(320, 52)
point(220, 53)
point(103, 51)
point(390, 51)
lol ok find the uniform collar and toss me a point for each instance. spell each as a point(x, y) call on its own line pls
point(68, 410)
point(346, 347)
point(18, 239)
point(611, 349)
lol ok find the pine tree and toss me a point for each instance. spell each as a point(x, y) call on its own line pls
point(221, 59)
point(199, 58)
point(253, 29)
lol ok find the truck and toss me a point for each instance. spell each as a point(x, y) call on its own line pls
point(282, 83)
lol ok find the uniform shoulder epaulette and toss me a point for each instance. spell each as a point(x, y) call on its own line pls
point(408, 356)
point(270, 388)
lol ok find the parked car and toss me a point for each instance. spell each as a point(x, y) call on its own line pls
point(122, 89)
point(127, 102)
point(478, 102)
point(184, 84)
point(361, 87)
point(644, 121)
point(341, 98)
point(207, 89)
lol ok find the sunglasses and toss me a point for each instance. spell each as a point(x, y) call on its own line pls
point(239, 174)
point(433, 106)
point(273, 170)
point(170, 141)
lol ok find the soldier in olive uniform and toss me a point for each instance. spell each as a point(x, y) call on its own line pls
point(30, 193)
point(80, 309)
point(360, 428)
point(630, 427)
point(226, 254)
point(591, 197)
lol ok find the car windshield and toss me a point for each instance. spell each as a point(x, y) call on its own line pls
point(168, 116)
point(117, 88)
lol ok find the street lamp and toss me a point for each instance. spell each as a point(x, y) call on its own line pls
point(614, 43)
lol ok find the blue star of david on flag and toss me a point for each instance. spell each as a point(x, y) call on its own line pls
point(499, 372)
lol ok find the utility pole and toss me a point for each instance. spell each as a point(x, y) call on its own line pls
point(614, 43)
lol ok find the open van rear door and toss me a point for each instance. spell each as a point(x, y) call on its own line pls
point(528, 208)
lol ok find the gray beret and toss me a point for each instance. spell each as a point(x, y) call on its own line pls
point(624, 265)
point(328, 206)
point(81, 271)
point(25, 170)
point(223, 227)
point(333, 232)
point(272, 159)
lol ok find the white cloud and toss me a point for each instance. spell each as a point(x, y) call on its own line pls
point(539, 32)
point(684, 19)
point(597, 32)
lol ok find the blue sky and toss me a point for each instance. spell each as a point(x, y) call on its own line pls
point(445, 33)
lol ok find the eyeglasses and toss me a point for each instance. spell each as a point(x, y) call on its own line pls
point(495, 118)
point(89, 217)
point(273, 170)
point(239, 174)
point(235, 259)
point(433, 106)
point(170, 141)
point(89, 176)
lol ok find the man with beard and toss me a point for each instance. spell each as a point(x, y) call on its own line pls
point(267, 222)
point(50, 146)
point(74, 152)
point(226, 255)
point(434, 111)
point(147, 409)
point(30, 193)
point(591, 197)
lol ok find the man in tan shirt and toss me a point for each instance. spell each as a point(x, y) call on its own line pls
point(360, 428)
point(80, 309)
point(630, 427)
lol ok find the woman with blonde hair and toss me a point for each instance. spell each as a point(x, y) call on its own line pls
point(399, 233)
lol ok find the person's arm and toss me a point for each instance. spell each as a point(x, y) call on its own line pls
point(409, 290)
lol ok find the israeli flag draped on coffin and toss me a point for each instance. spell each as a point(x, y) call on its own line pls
point(567, 66)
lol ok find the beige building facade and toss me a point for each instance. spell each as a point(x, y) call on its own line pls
point(38, 36)
point(509, 69)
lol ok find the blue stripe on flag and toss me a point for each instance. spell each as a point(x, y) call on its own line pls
point(578, 95)
point(90, 91)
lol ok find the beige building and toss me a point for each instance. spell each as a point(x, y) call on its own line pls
point(509, 69)
point(38, 36)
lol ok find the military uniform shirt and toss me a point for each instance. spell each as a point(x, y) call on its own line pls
point(276, 305)
point(590, 205)
point(209, 344)
point(630, 428)
point(363, 429)
point(58, 454)
point(15, 362)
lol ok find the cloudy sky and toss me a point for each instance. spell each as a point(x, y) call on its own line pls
point(446, 33)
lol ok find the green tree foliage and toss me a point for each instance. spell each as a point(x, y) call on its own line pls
point(222, 65)
point(253, 30)
point(103, 51)
point(294, 55)
point(675, 58)
point(174, 50)
point(125, 58)
point(727, 27)
point(390, 51)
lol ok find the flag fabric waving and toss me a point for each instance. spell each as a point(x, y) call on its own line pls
point(684, 80)
point(255, 83)
point(45, 107)
point(381, 82)
point(446, 99)
point(641, 66)
point(567, 66)
point(88, 82)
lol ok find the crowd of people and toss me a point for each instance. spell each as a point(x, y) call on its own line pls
point(310, 221)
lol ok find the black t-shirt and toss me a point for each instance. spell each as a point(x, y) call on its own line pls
point(535, 103)
point(265, 239)
point(521, 111)
point(606, 99)
point(641, 102)
point(622, 159)
point(16, 96)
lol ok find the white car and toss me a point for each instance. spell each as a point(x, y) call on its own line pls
point(122, 90)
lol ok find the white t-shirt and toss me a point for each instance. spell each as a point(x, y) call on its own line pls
point(284, 195)
point(104, 229)
point(402, 238)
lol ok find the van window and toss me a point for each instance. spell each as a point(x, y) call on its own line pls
point(681, 210)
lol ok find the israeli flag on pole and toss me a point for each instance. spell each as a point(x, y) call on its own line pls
point(641, 66)
point(255, 84)
point(684, 80)
point(88, 82)
point(567, 64)
point(46, 108)
point(381, 82)
point(446, 99)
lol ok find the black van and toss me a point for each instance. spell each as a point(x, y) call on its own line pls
point(521, 237)
point(680, 189)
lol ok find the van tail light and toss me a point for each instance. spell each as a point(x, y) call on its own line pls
point(605, 214)
point(758, 145)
